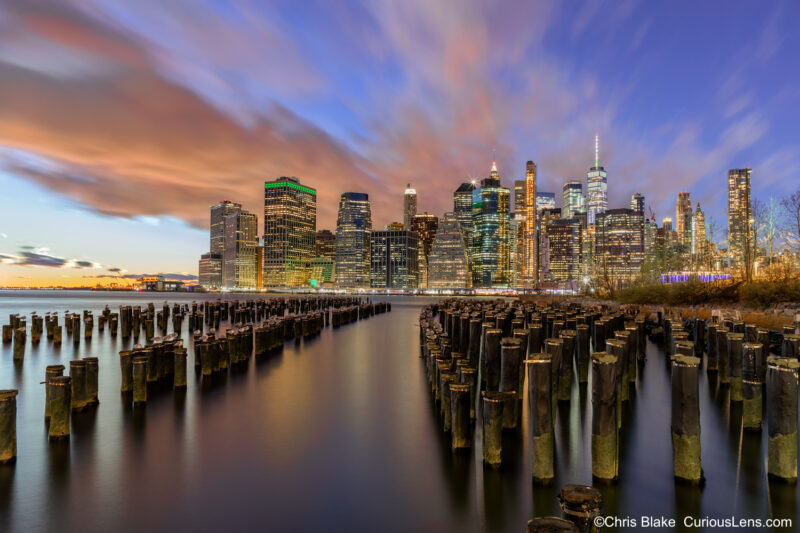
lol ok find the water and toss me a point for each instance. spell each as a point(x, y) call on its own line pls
point(335, 433)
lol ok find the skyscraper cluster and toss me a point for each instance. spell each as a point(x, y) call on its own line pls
point(489, 241)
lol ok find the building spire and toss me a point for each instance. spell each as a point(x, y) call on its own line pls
point(596, 151)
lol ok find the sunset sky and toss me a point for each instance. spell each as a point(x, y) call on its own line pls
point(122, 121)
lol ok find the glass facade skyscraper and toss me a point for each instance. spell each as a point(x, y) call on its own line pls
point(490, 233)
point(353, 231)
point(564, 239)
point(462, 206)
point(574, 201)
point(683, 212)
point(290, 225)
point(596, 187)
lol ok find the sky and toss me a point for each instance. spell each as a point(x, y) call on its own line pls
point(122, 122)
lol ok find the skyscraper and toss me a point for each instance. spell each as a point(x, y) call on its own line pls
point(211, 267)
point(596, 187)
point(241, 244)
point(490, 233)
point(683, 207)
point(620, 245)
point(574, 201)
point(637, 203)
point(409, 206)
point(739, 214)
point(218, 214)
point(564, 240)
point(462, 206)
point(353, 230)
point(393, 259)
point(699, 241)
point(530, 241)
point(425, 225)
point(290, 225)
point(448, 262)
point(519, 196)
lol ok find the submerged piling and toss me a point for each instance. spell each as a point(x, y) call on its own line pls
point(77, 373)
point(8, 425)
point(460, 434)
point(604, 417)
point(92, 375)
point(60, 399)
point(492, 410)
point(735, 341)
point(581, 504)
point(685, 424)
point(751, 386)
point(52, 371)
point(782, 418)
point(139, 379)
point(541, 416)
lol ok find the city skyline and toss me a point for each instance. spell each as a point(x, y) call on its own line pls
point(107, 192)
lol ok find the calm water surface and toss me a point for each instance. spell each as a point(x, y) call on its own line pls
point(338, 433)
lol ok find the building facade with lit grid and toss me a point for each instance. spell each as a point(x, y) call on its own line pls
point(619, 245)
point(448, 262)
point(394, 259)
point(739, 214)
point(290, 226)
point(241, 245)
point(564, 236)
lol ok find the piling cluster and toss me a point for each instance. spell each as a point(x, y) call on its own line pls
point(221, 335)
point(480, 356)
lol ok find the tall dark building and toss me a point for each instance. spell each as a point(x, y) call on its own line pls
point(290, 225)
point(353, 231)
point(462, 206)
point(739, 214)
point(394, 258)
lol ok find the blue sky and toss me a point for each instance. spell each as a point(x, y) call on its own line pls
point(121, 122)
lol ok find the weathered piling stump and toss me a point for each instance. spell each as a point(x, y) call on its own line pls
point(685, 424)
point(446, 379)
point(492, 358)
point(56, 334)
point(59, 392)
point(604, 417)
point(8, 426)
point(77, 373)
point(492, 413)
point(735, 341)
point(179, 379)
point(8, 330)
point(782, 418)
point(583, 351)
point(126, 370)
point(540, 401)
point(581, 504)
point(461, 434)
point(751, 386)
point(510, 362)
point(567, 358)
point(19, 344)
point(722, 355)
point(92, 377)
point(139, 370)
point(52, 371)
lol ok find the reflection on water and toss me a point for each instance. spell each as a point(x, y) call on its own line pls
point(340, 433)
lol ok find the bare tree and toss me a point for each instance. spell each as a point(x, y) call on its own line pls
point(766, 226)
point(791, 215)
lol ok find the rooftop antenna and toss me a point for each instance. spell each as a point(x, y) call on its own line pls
point(596, 151)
